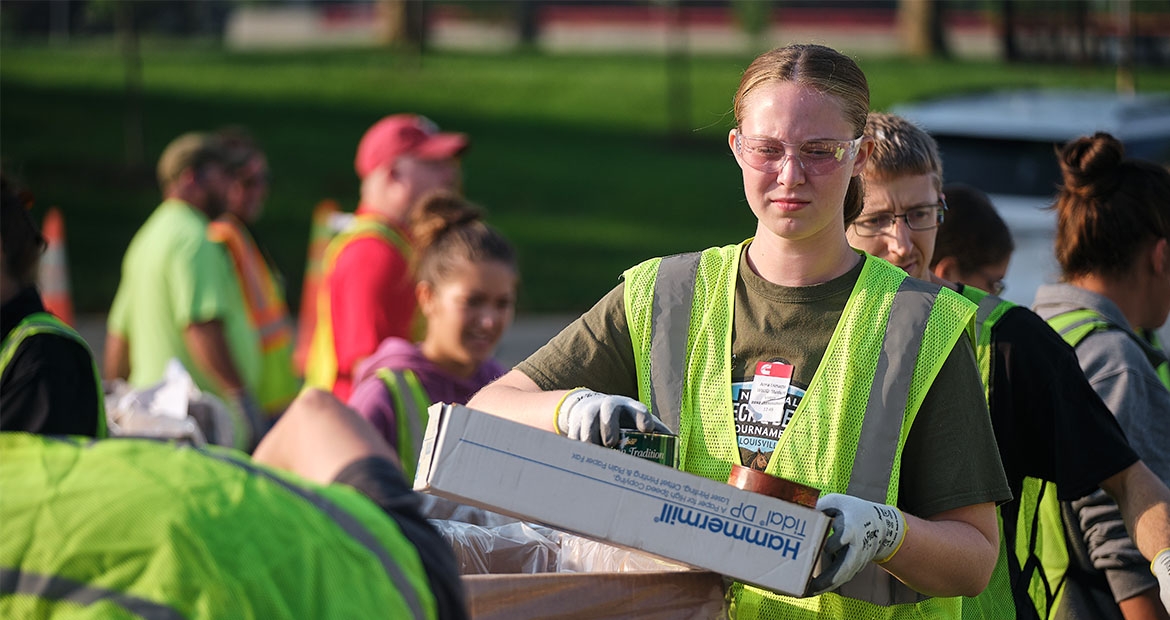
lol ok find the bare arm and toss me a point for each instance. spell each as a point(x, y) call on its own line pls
point(1145, 606)
point(209, 351)
point(116, 364)
point(950, 554)
point(318, 436)
point(1145, 507)
point(517, 397)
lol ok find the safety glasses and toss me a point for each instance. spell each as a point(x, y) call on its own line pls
point(816, 157)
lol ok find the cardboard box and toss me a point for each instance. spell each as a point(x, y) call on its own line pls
point(689, 595)
point(480, 459)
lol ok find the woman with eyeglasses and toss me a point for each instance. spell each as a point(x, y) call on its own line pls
point(974, 246)
point(881, 390)
point(1056, 438)
point(1113, 246)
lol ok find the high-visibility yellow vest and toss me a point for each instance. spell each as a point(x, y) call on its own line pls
point(1038, 556)
point(894, 334)
point(1076, 325)
point(410, 412)
point(45, 323)
point(1162, 367)
point(268, 311)
point(137, 528)
point(321, 365)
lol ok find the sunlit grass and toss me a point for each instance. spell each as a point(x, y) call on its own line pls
point(581, 159)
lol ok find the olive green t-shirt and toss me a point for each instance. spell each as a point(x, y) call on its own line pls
point(950, 458)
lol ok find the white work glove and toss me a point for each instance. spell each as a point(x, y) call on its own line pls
point(598, 418)
point(862, 531)
point(1161, 569)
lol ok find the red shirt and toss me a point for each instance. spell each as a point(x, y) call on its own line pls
point(371, 296)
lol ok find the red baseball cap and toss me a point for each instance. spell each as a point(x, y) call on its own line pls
point(405, 134)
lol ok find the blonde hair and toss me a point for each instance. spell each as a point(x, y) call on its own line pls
point(901, 148)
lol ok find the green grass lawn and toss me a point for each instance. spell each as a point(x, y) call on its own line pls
point(573, 156)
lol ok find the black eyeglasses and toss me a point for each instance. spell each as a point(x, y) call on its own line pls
point(922, 217)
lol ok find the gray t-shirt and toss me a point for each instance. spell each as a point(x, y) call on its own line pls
point(950, 458)
point(1119, 368)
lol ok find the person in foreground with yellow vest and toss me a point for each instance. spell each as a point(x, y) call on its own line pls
point(883, 412)
point(467, 278)
point(261, 286)
point(1113, 246)
point(320, 524)
point(178, 298)
point(48, 378)
point(1055, 436)
point(367, 292)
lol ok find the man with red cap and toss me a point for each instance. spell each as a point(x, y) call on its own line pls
point(367, 292)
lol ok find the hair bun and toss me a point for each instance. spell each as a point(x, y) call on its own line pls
point(439, 212)
point(1090, 165)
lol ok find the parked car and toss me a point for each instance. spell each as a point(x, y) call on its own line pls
point(1005, 143)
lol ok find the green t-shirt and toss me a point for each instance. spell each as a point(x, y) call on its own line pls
point(172, 277)
point(950, 458)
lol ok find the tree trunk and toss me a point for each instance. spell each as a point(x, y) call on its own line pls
point(921, 26)
point(132, 62)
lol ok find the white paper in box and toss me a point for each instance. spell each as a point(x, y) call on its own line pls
point(476, 458)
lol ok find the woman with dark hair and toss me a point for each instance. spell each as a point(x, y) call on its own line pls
point(1113, 246)
point(467, 277)
point(48, 379)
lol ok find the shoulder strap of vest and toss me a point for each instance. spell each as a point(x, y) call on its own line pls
point(410, 412)
point(1076, 325)
point(1158, 356)
point(908, 329)
point(990, 309)
point(670, 320)
point(364, 227)
point(33, 324)
point(45, 323)
point(890, 392)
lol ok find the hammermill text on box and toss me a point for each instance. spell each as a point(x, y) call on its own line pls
point(476, 458)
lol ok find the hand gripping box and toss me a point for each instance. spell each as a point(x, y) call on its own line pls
point(476, 458)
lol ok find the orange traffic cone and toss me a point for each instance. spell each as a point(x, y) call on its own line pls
point(53, 273)
point(320, 233)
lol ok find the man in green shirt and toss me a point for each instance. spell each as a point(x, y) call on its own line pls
point(178, 298)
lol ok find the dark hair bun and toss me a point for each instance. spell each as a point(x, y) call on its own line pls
point(1091, 165)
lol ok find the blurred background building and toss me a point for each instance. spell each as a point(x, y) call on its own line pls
point(1066, 31)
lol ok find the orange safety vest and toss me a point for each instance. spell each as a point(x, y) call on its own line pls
point(321, 365)
point(264, 298)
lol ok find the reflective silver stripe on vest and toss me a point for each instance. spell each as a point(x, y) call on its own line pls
point(986, 308)
point(53, 588)
point(349, 524)
point(670, 322)
point(405, 395)
point(987, 305)
point(877, 446)
point(881, 430)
